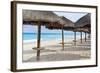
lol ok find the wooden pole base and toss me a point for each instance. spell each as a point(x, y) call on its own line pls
point(38, 55)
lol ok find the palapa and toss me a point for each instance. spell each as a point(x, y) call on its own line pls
point(46, 18)
point(84, 25)
point(66, 25)
point(84, 21)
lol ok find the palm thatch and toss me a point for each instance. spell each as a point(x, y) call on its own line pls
point(67, 24)
point(82, 30)
point(85, 21)
point(84, 24)
point(44, 17)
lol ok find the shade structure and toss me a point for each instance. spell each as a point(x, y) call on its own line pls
point(82, 30)
point(46, 18)
point(84, 23)
point(67, 25)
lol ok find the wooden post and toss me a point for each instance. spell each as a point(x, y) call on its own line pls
point(38, 41)
point(89, 35)
point(74, 37)
point(85, 36)
point(81, 37)
point(62, 38)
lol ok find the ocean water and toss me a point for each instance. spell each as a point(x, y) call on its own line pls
point(48, 36)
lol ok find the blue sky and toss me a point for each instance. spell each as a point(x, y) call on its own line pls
point(72, 16)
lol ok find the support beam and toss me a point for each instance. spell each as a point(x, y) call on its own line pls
point(88, 35)
point(81, 37)
point(74, 37)
point(38, 41)
point(62, 38)
point(85, 37)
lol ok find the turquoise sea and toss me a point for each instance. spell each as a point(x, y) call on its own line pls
point(48, 36)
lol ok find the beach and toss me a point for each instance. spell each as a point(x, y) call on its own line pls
point(52, 50)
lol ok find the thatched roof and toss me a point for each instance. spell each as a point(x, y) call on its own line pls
point(85, 21)
point(67, 24)
point(39, 16)
point(82, 30)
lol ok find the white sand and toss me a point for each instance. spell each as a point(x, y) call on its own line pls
point(53, 47)
point(29, 44)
